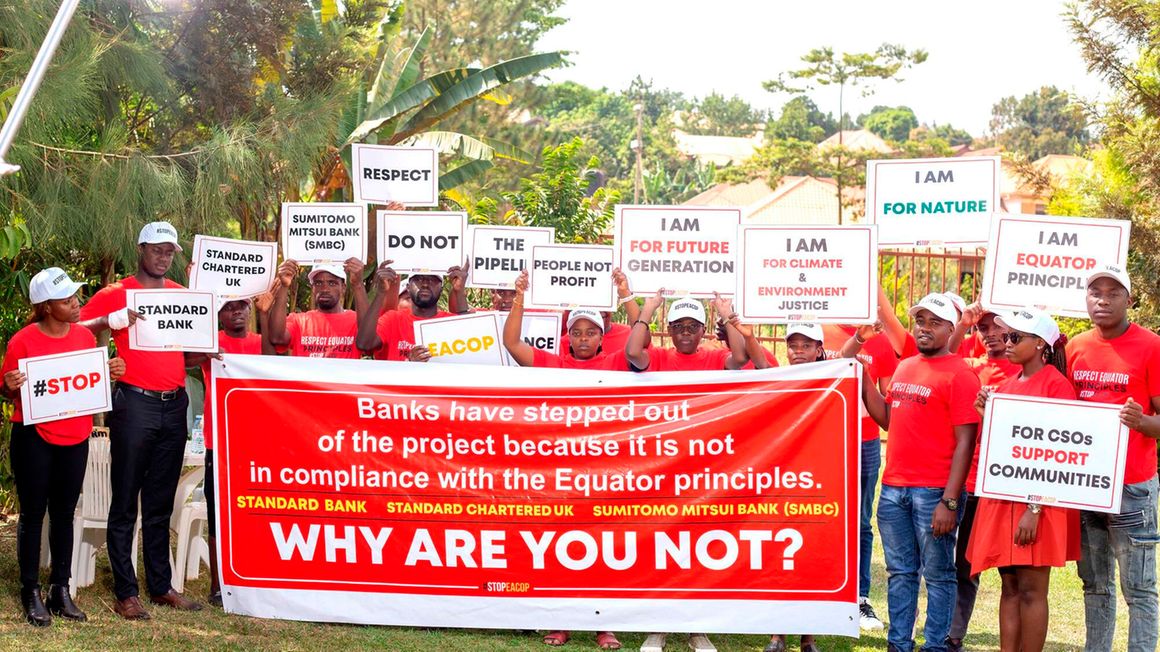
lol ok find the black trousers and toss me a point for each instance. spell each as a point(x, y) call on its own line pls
point(146, 448)
point(48, 479)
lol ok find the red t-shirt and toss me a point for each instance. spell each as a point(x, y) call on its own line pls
point(160, 371)
point(396, 329)
point(251, 344)
point(1110, 371)
point(876, 355)
point(601, 361)
point(928, 397)
point(30, 342)
point(972, 346)
point(992, 372)
point(613, 342)
point(909, 347)
point(317, 334)
point(672, 360)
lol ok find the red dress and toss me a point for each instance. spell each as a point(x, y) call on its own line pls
point(992, 543)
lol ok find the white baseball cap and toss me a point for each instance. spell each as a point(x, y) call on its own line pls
point(438, 275)
point(337, 270)
point(939, 304)
point(687, 307)
point(158, 233)
point(808, 329)
point(584, 313)
point(1114, 272)
point(51, 283)
point(960, 303)
point(1034, 321)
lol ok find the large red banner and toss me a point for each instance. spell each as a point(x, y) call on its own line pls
point(399, 493)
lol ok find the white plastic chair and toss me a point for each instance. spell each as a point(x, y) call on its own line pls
point(192, 517)
point(91, 520)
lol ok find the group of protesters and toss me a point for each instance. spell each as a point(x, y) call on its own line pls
point(927, 387)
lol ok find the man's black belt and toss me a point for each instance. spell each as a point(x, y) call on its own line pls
point(167, 395)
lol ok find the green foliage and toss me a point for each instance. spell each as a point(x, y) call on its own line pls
point(944, 132)
point(716, 115)
point(801, 119)
point(663, 187)
point(562, 196)
point(1045, 122)
point(891, 123)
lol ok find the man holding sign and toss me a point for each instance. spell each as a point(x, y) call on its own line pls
point(389, 331)
point(147, 432)
point(1119, 362)
point(49, 458)
point(329, 330)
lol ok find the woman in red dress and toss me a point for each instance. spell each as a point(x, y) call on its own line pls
point(1025, 540)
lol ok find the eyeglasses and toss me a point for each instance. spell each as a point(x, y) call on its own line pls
point(1013, 337)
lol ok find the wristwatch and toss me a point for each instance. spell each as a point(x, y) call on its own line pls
point(950, 503)
point(1033, 508)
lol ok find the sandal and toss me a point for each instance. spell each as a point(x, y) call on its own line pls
point(556, 638)
point(607, 641)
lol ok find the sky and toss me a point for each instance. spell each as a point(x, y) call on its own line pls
point(979, 52)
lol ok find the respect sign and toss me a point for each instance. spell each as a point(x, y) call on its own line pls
point(539, 330)
point(685, 250)
point(408, 175)
point(1045, 261)
point(421, 243)
point(1053, 452)
point(571, 276)
point(232, 269)
point(463, 339)
point(825, 274)
point(322, 233)
point(65, 385)
point(500, 253)
point(174, 320)
point(933, 201)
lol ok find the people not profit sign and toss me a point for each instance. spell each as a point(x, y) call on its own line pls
point(463, 339)
point(65, 385)
point(232, 269)
point(1053, 452)
point(818, 274)
point(384, 174)
point(1045, 261)
point(500, 253)
point(571, 276)
point(684, 250)
point(539, 498)
point(173, 320)
point(324, 233)
point(932, 201)
point(422, 242)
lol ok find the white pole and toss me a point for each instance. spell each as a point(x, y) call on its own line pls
point(32, 82)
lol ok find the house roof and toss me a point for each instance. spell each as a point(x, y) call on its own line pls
point(795, 200)
point(859, 139)
point(719, 150)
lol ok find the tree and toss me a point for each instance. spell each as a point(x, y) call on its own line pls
point(714, 115)
point(1040, 123)
point(891, 123)
point(801, 119)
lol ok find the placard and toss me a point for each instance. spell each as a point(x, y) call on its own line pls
point(463, 339)
point(1053, 452)
point(825, 274)
point(500, 253)
point(320, 233)
point(1045, 261)
point(422, 242)
point(383, 174)
point(933, 202)
point(233, 269)
point(65, 385)
point(571, 276)
point(175, 320)
point(539, 330)
point(684, 250)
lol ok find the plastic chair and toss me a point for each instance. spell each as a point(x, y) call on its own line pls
point(192, 517)
point(91, 520)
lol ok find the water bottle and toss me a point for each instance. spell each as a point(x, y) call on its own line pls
point(197, 437)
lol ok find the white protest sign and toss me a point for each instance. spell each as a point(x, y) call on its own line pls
point(539, 330)
point(324, 232)
point(463, 339)
point(823, 274)
point(1045, 261)
point(929, 202)
point(175, 320)
point(500, 253)
point(686, 250)
point(65, 385)
point(233, 269)
point(1052, 452)
point(571, 276)
point(421, 242)
point(382, 174)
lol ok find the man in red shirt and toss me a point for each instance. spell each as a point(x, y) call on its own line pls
point(1119, 362)
point(329, 330)
point(147, 432)
point(686, 329)
point(389, 332)
point(931, 419)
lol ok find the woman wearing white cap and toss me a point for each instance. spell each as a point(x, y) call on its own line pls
point(1025, 540)
point(48, 459)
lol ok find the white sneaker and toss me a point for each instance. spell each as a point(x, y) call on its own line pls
point(868, 621)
